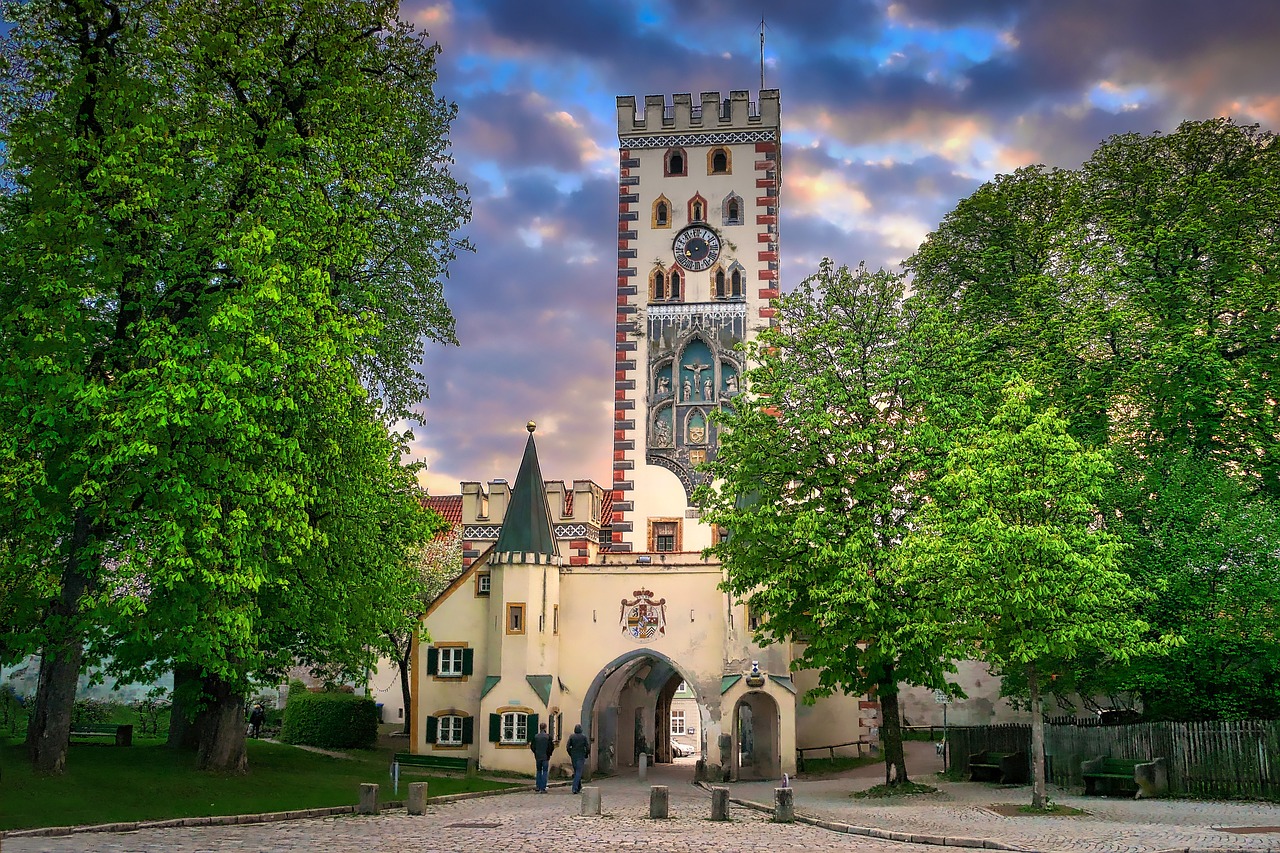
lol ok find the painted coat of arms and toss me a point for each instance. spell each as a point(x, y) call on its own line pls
point(642, 618)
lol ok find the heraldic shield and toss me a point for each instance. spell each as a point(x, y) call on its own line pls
point(642, 618)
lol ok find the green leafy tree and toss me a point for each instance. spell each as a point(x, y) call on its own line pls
point(1012, 537)
point(222, 248)
point(1139, 293)
point(815, 479)
point(433, 565)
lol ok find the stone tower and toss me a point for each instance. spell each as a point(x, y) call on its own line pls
point(697, 264)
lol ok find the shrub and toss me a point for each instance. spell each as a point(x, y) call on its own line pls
point(339, 720)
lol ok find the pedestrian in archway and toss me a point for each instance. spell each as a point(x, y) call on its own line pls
point(579, 749)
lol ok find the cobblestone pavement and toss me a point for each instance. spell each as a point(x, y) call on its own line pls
point(531, 823)
point(1110, 825)
point(519, 823)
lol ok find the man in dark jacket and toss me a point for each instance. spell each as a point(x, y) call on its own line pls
point(579, 748)
point(541, 746)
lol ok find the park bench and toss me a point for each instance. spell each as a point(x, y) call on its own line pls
point(123, 734)
point(456, 764)
point(1104, 775)
point(1009, 768)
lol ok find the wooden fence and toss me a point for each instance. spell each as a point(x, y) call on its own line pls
point(1209, 759)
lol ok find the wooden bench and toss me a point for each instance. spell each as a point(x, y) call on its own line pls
point(1104, 775)
point(1008, 768)
point(123, 734)
point(456, 764)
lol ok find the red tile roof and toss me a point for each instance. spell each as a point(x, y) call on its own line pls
point(449, 507)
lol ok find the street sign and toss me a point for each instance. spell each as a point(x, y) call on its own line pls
point(940, 696)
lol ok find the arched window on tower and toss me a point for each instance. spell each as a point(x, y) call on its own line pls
point(735, 284)
point(697, 211)
point(719, 284)
point(675, 162)
point(732, 209)
point(658, 287)
point(718, 162)
point(662, 213)
point(674, 294)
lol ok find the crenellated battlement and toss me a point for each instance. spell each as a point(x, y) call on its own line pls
point(710, 113)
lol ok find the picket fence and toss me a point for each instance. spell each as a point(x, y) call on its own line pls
point(1206, 759)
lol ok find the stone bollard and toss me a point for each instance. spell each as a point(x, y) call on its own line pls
point(644, 766)
point(719, 803)
point(659, 798)
point(417, 803)
point(590, 801)
point(784, 805)
point(368, 798)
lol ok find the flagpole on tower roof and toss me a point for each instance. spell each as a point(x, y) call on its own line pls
point(762, 52)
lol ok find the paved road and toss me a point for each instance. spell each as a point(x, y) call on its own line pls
point(518, 823)
point(532, 823)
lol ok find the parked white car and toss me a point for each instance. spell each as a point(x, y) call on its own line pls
point(681, 750)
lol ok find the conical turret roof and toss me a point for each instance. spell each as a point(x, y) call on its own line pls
point(527, 533)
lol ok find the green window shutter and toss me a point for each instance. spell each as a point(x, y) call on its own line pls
point(468, 729)
point(495, 728)
point(433, 726)
point(433, 660)
point(531, 728)
point(468, 661)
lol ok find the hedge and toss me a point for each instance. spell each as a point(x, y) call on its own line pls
point(336, 720)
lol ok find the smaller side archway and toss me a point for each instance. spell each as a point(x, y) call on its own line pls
point(757, 738)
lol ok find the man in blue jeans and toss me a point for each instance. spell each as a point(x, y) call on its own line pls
point(579, 748)
point(541, 746)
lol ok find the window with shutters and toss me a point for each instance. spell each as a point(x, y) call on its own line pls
point(450, 729)
point(450, 661)
point(515, 727)
point(512, 727)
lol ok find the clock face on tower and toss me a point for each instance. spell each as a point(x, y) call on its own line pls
point(697, 248)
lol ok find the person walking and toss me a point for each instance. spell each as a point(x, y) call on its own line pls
point(579, 749)
point(541, 746)
point(256, 718)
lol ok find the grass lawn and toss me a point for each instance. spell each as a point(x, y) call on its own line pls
point(148, 781)
point(827, 766)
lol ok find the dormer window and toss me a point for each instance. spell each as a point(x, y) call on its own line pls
point(675, 163)
point(718, 162)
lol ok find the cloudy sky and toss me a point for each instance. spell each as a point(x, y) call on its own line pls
point(892, 112)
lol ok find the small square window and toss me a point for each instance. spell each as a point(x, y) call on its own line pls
point(664, 536)
point(483, 583)
point(515, 618)
point(754, 619)
point(450, 665)
point(677, 722)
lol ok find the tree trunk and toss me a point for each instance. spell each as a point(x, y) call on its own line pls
point(220, 729)
point(895, 760)
point(403, 663)
point(186, 701)
point(1039, 797)
point(49, 728)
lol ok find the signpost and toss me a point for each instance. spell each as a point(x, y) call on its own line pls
point(940, 696)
